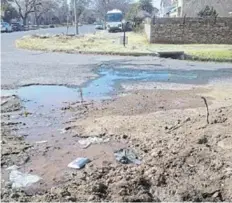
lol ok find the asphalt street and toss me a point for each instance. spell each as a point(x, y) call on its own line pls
point(22, 67)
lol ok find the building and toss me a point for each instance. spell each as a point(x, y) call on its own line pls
point(165, 7)
point(191, 8)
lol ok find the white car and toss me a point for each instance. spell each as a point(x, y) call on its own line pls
point(6, 27)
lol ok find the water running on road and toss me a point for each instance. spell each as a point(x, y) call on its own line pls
point(108, 84)
point(45, 102)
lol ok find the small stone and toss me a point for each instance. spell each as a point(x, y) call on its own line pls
point(71, 199)
point(99, 188)
point(65, 193)
point(124, 136)
point(187, 119)
point(203, 140)
point(14, 195)
point(91, 198)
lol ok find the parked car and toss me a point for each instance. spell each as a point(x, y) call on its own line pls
point(17, 27)
point(99, 27)
point(51, 26)
point(6, 27)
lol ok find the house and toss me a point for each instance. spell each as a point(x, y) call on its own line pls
point(191, 8)
point(165, 7)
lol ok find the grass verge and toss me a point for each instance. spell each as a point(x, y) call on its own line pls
point(108, 43)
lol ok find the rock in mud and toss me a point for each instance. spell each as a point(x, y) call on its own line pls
point(10, 103)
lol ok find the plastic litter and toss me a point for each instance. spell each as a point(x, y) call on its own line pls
point(126, 156)
point(85, 143)
point(78, 163)
point(41, 142)
point(20, 179)
point(14, 167)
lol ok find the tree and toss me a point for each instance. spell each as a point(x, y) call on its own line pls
point(25, 7)
point(132, 12)
point(102, 6)
point(79, 7)
point(62, 12)
point(46, 6)
point(208, 12)
point(8, 12)
point(146, 5)
point(38, 7)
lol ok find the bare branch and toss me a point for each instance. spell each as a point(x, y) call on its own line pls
point(207, 108)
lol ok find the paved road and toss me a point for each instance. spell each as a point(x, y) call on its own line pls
point(22, 67)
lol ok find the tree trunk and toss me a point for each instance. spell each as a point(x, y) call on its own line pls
point(25, 21)
point(76, 17)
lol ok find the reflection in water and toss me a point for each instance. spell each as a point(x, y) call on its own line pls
point(106, 84)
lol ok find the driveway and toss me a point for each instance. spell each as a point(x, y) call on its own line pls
point(23, 67)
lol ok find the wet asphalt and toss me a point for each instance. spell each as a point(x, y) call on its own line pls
point(23, 67)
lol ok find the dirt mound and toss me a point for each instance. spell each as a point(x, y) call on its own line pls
point(186, 161)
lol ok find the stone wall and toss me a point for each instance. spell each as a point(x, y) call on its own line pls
point(189, 30)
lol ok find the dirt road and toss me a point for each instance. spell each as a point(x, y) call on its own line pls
point(159, 114)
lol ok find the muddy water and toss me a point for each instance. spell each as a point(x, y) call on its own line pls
point(43, 116)
point(42, 104)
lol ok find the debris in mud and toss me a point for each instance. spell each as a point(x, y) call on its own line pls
point(14, 149)
point(10, 103)
point(19, 179)
point(41, 142)
point(14, 167)
point(78, 163)
point(126, 156)
point(85, 143)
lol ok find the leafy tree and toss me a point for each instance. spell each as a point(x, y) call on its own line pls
point(102, 6)
point(133, 11)
point(10, 13)
point(208, 12)
point(146, 5)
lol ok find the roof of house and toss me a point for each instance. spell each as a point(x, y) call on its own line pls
point(143, 14)
point(193, 7)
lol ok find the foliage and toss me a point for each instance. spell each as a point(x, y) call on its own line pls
point(208, 12)
point(102, 6)
point(146, 5)
point(132, 12)
point(10, 13)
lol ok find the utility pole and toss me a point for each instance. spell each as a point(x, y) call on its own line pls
point(35, 9)
point(76, 17)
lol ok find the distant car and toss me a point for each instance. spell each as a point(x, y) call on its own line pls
point(99, 27)
point(51, 26)
point(17, 27)
point(6, 27)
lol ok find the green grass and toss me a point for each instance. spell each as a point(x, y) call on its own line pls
point(103, 42)
point(217, 55)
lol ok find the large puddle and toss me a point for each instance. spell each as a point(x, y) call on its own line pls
point(107, 85)
point(44, 102)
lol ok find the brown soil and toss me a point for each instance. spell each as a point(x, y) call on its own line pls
point(183, 157)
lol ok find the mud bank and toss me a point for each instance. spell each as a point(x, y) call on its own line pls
point(182, 157)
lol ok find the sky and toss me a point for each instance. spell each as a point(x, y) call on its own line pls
point(156, 3)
